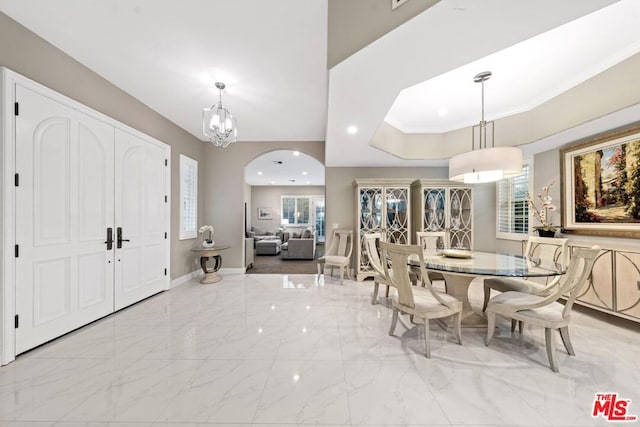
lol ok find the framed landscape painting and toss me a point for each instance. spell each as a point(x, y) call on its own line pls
point(264, 213)
point(601, 185)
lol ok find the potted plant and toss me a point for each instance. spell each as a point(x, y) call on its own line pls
point(546, 229)
point(207, 241)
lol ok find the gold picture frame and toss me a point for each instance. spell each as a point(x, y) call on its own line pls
point(600, 181)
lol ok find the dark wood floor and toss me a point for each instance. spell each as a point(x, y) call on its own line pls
point(273, 264)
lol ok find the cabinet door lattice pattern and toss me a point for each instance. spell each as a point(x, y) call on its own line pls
point(370, 200)
point(434, 209)
point(397, 215)
point(461, 219)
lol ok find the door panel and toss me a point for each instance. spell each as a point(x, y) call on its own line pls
point(141, 211)
point(65, 162)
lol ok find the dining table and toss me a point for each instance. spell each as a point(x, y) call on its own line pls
point(460, 268)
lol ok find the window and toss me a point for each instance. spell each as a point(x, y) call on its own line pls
point(188, 198)
point(295, 209)
point(513, 209)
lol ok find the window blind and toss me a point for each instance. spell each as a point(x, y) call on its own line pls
point(513, 209)
point(188, 197)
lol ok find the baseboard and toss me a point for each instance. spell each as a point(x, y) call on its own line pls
point(184, 279)
point(230, 271)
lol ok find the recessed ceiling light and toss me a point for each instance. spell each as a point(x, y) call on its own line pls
point(443, 111)
point(308, 182)
point(352, 130)
point(259, 172)
point(305, 173)
point(296, 153)
point(273, 183)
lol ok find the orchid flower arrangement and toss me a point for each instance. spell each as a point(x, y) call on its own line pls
point(207, 229)
point(542, 213)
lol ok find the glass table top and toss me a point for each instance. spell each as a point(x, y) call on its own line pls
point(491, 264)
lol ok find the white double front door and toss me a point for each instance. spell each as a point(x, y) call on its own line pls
point(91, 218)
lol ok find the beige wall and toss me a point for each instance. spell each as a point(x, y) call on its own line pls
point(341, 203)
point(269, 196)
point(354, 24)
point(225, 184)
point(24, 52)
point(546, 169)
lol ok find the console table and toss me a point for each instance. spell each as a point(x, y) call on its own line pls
point(210, 274)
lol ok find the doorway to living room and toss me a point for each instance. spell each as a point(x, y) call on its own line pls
point(285, 213)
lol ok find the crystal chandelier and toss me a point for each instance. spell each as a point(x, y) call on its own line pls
point(218, 124)
point(485, 164)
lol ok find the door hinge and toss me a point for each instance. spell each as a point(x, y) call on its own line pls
point(16, 109)
point(165, 234)
point(16, 321)
point(166, 162)
point(16, 180)
point(17, 250)
point(165, 271)
point(166, 199)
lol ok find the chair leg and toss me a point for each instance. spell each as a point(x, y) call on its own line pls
point(394, 321)
point(342, 275)
point(491, 326)
point(386, 294)
point(374, 298)
point(320, 269)
point(425, 329)
point(550, 339)
point(331, 271)
point(487, 296)
point(513, 325)
point(457, 324)
point(566, 340)
point(520, 326)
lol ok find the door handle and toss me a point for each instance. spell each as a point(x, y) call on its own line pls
point(119, 237)
point(109, 241)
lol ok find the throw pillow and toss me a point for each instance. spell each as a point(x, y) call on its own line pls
point(306, 234)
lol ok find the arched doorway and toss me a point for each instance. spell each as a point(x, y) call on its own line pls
point(284, 200)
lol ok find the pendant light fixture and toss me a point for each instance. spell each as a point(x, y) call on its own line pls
point(485, 163)
point(218, 124)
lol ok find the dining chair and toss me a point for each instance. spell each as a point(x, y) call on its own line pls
point(370, 242)
point(546, 311)
point(431, 241)
point(547, 249)
point(338, 254)
point(420, 302)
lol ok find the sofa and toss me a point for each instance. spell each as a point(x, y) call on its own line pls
point(300, 245)
point(259, 233)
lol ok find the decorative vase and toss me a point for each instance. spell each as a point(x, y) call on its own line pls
point(208, 243)
point(546, 233)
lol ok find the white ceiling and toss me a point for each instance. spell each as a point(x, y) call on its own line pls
point(272, 56)
point(447, 36)
point(284, 167)
point(167, 54)
point(525, 75)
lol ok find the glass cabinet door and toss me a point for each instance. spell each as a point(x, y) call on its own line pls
point(434, 209)
point(370, 210)
point(397, 215)
point(460, 218)
point(370, 206)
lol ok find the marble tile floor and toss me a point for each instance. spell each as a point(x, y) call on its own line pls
point(277, 350)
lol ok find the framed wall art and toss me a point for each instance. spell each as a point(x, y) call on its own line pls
point(601, 185)
point(264, 213)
